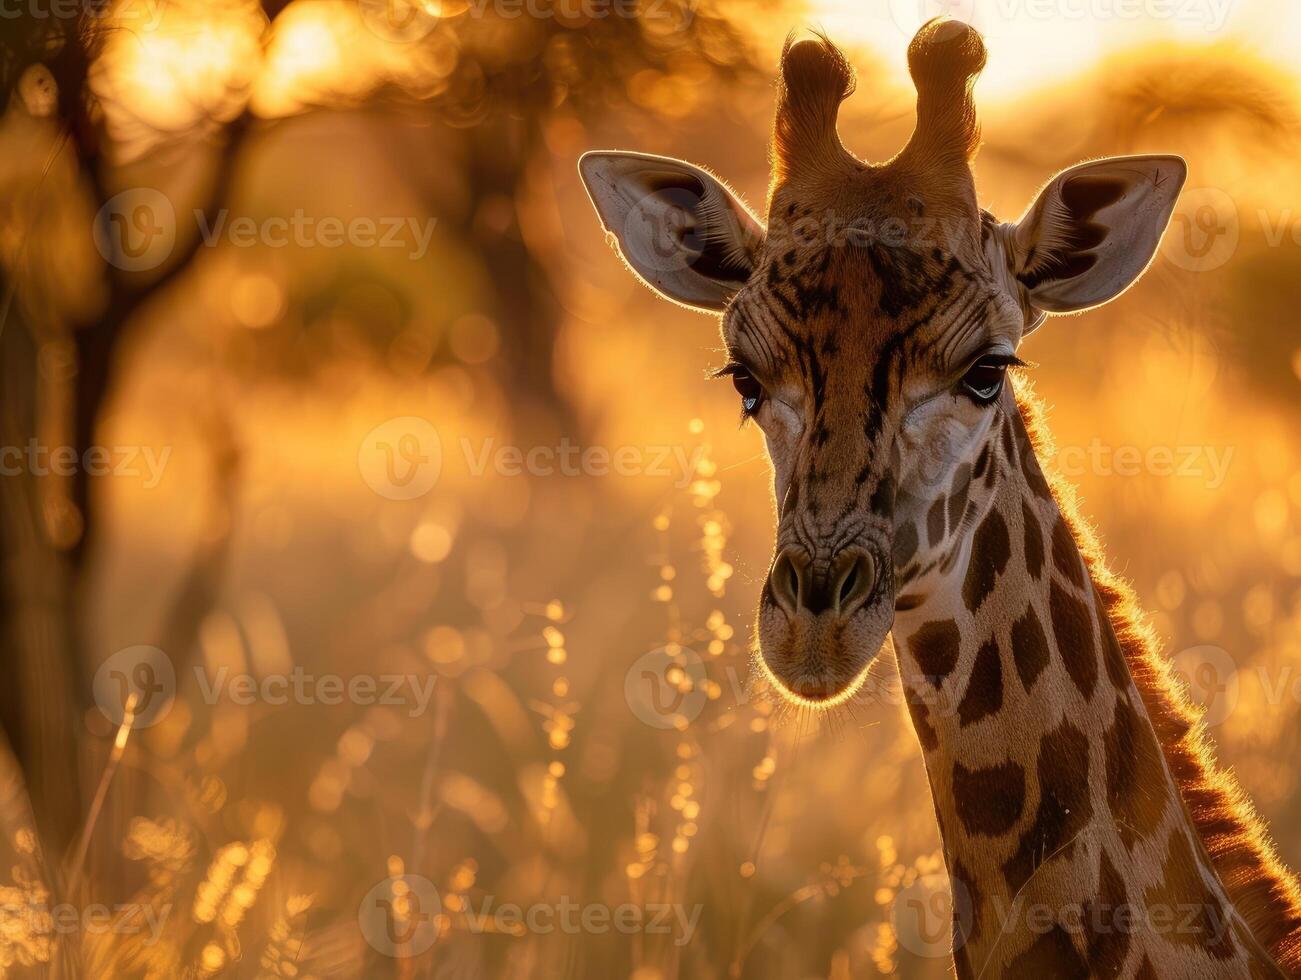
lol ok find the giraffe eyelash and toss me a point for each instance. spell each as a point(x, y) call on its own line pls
point(747, 386)
point(999, 359)
point(983, 380)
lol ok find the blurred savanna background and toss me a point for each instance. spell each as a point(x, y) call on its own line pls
point(378, 558)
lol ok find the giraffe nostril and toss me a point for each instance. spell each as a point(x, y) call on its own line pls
point(847, 587)
point(795, 587)
point(858, 578)
point(784, 581)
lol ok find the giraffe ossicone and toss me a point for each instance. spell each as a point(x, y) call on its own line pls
point(871, 324)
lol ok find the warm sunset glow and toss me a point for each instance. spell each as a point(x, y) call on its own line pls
point(308, 55)
point(382, 553)
point(1032, 42)
point(190, 61)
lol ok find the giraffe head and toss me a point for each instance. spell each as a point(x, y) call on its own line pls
point(869, 323)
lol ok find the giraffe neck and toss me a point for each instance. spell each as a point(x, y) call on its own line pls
point(1069, 848)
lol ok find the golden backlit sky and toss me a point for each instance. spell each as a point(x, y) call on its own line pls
point(1037, 40)
point(198, 57)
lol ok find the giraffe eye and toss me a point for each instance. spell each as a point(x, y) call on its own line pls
point(749, 389)
point(984, 380)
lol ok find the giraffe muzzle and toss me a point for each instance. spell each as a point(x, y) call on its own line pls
point(822, 622)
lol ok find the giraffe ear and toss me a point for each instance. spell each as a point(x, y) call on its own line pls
point(1093, 230)
point(678, 227)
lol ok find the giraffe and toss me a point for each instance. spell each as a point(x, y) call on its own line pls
point(872, 325)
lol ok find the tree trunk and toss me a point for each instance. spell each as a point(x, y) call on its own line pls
point(44, 693)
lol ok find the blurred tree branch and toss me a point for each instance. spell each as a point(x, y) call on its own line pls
point(512, 78)
point(97, 344)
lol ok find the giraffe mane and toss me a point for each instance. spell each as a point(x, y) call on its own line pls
point(1260, 885)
